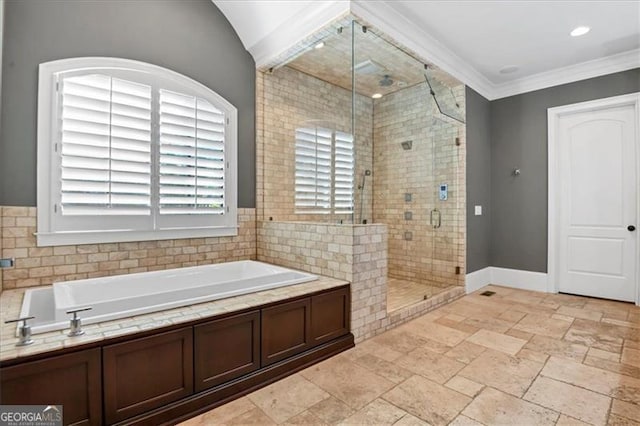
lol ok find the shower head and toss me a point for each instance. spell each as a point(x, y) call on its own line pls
point(386, 81)
point(406, 145)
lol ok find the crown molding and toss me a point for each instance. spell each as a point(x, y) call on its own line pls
point(388, 19)
point(296, 28)
point(582, 71)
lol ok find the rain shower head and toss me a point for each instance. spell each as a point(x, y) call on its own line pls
point(406, 145)
point(386, 81)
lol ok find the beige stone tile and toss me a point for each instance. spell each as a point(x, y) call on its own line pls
point(456, 325)
point(399, 340)
point(305, 418)
point(501, 371)
point(599, 353)
point(372, 347)
point(532, 355)
point(494, 324)
point(431, 365)
point(500, 342)
point(519, 334)
point(410, 420)
point(601, 381)
point(228, 411)
point(427, 400)
point(252, 417)
point(493, 407)
point(615, 420)
point(194, 421)
point(630, 357)
point(565, 420)
point(573, 401)
point(287, 397)
point(464, 421)
point(579, 313)
point(557, 347)
point(615, 367)
point(377, 412)
point(594, 339)
point(464, 386)
point(512, 316)
point(440, 333)
point(354, 385)
point(465, 352)
point(542, 325)
point(389, 370)
point(331, 410)
point(626, 410)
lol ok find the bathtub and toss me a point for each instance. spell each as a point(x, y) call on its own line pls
point(141, 293)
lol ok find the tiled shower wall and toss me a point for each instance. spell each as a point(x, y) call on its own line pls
point(45, 265)
point(417, 251)
point(285, 100)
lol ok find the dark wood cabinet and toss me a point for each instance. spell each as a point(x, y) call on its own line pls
point(226, 349)
point(72, 380)
point(286, 330)
point(330, 315)
point(147, 373)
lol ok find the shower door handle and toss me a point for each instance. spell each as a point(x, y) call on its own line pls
point(435, 218)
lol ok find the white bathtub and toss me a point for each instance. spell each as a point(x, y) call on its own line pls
point(135, 294)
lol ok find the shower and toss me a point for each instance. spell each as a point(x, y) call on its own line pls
point(361, 188)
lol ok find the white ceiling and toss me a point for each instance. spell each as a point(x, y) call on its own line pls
point(472, 40)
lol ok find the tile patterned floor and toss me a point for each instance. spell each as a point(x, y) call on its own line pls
point(516, 358)
point(402, 293)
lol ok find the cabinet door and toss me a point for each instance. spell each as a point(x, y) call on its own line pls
point(72, 380)
point(330, 315)
point(146, 373)
point(226, 349)
point(286, 330)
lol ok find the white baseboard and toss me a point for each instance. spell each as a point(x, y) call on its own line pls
point(477, 279)
point(514, 278)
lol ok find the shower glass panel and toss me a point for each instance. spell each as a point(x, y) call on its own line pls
point(414, 187)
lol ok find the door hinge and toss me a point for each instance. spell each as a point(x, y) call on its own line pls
point(55, 208)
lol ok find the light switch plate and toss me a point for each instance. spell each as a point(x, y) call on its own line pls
point(478, 210)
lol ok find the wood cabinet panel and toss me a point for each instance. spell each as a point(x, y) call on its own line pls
point(226, 349)
point(72, 380)
point(146, 373)
point(330, 315)
point(286, 330)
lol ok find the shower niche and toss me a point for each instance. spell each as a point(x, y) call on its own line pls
point(355, 130)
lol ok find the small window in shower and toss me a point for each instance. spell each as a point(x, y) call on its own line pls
point(324, 171)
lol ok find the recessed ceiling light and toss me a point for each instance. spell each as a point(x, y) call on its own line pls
point(319, 45)
point(509, 69)
point(578, 31)
point(376, 95)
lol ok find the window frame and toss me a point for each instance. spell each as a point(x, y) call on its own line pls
point(49, 232)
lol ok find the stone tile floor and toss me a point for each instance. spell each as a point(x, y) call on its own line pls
point(402, 293)
point(516, 358)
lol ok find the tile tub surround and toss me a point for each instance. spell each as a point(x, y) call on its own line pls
point(451, 366)
point(37, 266)
point(354, 253)
point(11, 302)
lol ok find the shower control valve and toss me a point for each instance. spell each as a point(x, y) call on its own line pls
point(76, 322)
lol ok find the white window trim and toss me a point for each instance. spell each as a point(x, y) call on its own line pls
point(46, 235)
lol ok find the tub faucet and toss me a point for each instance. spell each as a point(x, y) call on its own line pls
point(76, 322)
point(24, 331)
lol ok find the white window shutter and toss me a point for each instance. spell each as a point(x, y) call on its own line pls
point(313, 170)
point(105, 148)
point(344, 173)
point(192, 157)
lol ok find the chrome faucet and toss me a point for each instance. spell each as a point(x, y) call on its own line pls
point(24, 331)
point(76, 322)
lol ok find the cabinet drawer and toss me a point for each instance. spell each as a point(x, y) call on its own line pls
point(72, 380)
point(286, 330)
point(146, 373)
point(330, 314)
point(226, 349)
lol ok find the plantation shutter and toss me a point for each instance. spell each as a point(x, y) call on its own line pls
point(313, 170)
point(192, 157)
point(344, 173)
point(105, 147)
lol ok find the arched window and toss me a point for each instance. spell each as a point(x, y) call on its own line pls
point(129, 151)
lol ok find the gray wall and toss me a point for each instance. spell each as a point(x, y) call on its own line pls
point(191, 37)
point(519, 139)
point(478, 181)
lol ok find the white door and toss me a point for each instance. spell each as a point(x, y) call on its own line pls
point(597, 203)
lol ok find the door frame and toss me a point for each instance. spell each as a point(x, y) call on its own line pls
point(553, 215)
